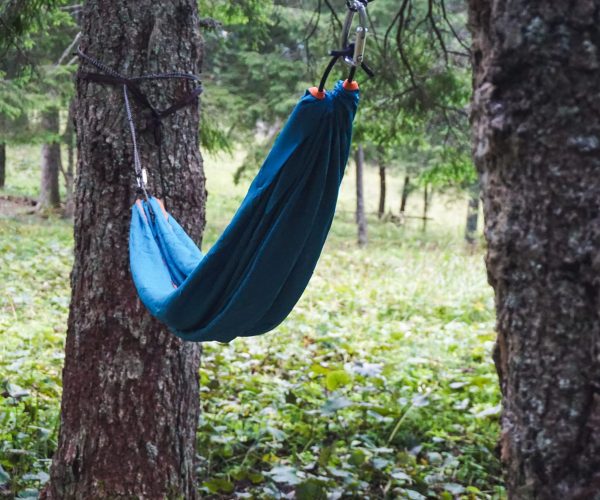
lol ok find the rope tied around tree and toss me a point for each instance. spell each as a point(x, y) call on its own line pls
point(130, 85)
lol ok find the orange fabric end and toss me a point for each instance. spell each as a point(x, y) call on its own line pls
point(138, 203)
point(314, 91)
point(350, 85)
point(162, 206)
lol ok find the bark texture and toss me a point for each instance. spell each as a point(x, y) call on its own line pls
point(50, 162)
point(130, 388)
point(361, 218)
point(536, 127)
point(2, 164)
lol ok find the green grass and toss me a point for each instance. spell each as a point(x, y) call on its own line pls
point(380, 384)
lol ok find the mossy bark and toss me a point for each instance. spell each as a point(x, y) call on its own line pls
point(130, 388)
point(536, 128)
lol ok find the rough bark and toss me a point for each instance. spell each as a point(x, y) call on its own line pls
point(50, 162)
point(2, 164)
point(382, 191)
point(405, 193)
point(536, 128)
point(361, 219)
point(472, 215)
point(130, 388)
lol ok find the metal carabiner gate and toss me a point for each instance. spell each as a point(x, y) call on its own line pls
point(360, 39)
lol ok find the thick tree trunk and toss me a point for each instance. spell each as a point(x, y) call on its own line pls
point(536, 127)
point(130, 388)
point(50, 163)
point(472, 215)
point(382, 191)
point(2, 164)
point(405, 193)
point(361, 219)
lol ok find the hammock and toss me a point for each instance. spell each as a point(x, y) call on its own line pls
point(255, 273)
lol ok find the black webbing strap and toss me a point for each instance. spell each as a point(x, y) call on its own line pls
point(131, 86)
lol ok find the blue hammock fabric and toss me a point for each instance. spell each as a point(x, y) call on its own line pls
point(257, 270)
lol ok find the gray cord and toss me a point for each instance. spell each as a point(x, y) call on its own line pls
point(137, 164)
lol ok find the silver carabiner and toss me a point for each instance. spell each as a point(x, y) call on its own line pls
point(361, 32)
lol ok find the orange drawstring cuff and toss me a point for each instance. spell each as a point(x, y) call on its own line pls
point(314, 91)
point(350, 85)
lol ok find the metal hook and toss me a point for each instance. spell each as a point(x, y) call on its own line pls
point(361, 32)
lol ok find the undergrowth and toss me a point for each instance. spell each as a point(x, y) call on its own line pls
point(380, 384)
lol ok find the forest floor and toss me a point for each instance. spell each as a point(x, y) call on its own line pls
point(380, 384)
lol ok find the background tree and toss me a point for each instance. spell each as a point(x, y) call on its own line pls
point(130, 388)
point(361, 218)
point(51, 163)
point(37, 68)
point(536, 132)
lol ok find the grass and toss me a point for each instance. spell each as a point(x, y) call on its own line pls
point(380, 384)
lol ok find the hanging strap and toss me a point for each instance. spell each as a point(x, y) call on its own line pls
point(130, 85)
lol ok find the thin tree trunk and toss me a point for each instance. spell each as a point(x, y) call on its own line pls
point(70, 172)
point(472, 215)
point(405, 193)
point(426, 200)
point(2, 164)
point(382, 191)
point(130, 388)
point(361, 219)
point(536, 130)
point(50, 163)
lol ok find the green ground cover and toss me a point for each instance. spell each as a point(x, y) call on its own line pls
point(379, 385)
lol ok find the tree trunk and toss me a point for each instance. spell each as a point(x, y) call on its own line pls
point(361, 219)
point(382, 191)
point(472, 215)
point(405, 193)
point(536, 129)
point(426, 200)
point(51, 163)
point(2, 164)
point(70, 172)
point(130, 388)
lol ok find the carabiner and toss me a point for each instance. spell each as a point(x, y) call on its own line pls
point(361, 32)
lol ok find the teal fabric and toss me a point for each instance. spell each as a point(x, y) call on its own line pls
point(255, 273)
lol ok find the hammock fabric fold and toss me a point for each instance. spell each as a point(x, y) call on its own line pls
point(257, 270)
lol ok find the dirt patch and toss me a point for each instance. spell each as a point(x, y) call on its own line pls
point(16, 205)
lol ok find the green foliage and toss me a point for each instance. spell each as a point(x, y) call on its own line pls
point(251, 67)
point(18, 17)
point(33, 78)
point(415, 108)
point(380, 384)
point(33, 308)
